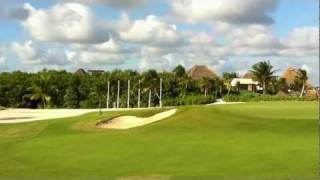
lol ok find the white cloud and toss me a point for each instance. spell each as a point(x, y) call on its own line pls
point(235, 12)
point(151, 31)
point(111, 52)
point(2, 59)
point(200, 48)
point(158, 63)
point(115, 3)
point(252, 40)
point(307, 68)
point(66, 23)
point(30, 53)
point(302, 41)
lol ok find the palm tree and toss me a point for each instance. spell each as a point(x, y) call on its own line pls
point(301, 79)
point(40, 89)
point(179, 71)
point(98, 90)
point(150, 83)
point(205, 84)
point(227, 78)
point(263, 73)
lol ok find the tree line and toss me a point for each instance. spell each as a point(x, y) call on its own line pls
point(62, 89)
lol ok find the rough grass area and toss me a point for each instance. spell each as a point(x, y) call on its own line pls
point(267, 140)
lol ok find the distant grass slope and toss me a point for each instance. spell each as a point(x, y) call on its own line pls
point(269, 140)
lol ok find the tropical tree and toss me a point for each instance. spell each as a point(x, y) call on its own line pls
point(98, 90)
point(263, 72)
point(301, 80)
point(150, 82)
point(40, 88)
point(205, 84)
point(278, 85)
point(227, 78)
point(179, 71)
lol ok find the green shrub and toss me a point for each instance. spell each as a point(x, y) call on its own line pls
point(255, 97)
point(189, 100)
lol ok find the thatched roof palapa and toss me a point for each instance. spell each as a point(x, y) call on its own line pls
point(290, 75)
point(80, 72)
point(197, 72)
point(248, 75)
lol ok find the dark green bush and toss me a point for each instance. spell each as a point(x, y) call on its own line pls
point(189, 100)
point(255, 97)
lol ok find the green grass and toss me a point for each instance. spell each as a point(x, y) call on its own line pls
point(267, 140)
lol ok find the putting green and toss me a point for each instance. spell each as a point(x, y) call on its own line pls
point(267, 140)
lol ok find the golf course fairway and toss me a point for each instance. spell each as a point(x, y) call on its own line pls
point(263, 140)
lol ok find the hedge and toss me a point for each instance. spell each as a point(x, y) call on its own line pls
point(255, 97)
point(189, 100)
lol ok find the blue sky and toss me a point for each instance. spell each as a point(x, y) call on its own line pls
point(224, 35)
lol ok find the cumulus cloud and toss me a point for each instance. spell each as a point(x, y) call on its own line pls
point(252, 40)
point(110, 52)
point(235, 12)
point(65, 23)
point(201, 48)
point(258, 40)
point(151, 31)
point(30, 53)
point(115, 3)
point(2, 59)
point(302, 41)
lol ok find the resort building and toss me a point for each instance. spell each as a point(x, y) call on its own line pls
point(246, 84)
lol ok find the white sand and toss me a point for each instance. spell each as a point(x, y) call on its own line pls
point(126, 122)
point(28, 115)
point(221, 102)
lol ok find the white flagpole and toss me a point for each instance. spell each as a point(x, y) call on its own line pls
point(149, 99)
point(139, 96)
point(118, 94)
point(160, 98)
point(108, 94)
point(128, 100)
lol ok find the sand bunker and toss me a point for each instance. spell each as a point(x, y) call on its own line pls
point(126, 122)
point(28, 115)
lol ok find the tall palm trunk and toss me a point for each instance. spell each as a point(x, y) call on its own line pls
point(44, 101)
point(302, 89)
point(264, 88)
point(149, 102)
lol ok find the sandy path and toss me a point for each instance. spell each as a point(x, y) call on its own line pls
point(126, 122)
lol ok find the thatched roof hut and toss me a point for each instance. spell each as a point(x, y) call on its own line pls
point(197, 72)
point(248, 75)
point(80, 72)
point(290, 75)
